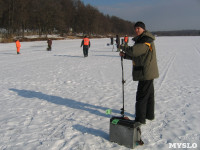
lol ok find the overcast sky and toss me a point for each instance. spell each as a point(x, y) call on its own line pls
point(158, 15)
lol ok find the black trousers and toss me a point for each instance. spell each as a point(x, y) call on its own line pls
point(85, 51)
point(144, 101)
point(49, 47)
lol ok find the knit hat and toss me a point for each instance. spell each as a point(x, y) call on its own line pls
point(139, 24)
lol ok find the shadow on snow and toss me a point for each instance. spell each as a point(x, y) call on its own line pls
point(69, 56)
point(66, 102)
point(106, 55)
point(92, 131)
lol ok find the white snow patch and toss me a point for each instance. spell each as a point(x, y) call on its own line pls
point(57, 100)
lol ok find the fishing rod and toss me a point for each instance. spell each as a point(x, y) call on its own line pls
point(123, 82)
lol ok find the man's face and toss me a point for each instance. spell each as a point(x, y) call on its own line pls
point(138, 30)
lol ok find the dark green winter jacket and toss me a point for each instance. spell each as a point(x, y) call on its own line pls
point(143, 55)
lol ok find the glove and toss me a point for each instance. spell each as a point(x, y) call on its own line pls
point(122, 53)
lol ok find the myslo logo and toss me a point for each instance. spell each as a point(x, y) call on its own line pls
point(182, 145)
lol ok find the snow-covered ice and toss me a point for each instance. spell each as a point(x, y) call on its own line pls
point(57, 100)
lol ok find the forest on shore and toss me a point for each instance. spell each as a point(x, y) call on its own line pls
point(178, 33)
point(19, 17)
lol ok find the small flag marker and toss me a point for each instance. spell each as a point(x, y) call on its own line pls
point(108, 111)
point(115, 121)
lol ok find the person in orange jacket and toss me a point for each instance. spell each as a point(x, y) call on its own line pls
point(126, 40)
point(18, 45)
point(86, 45)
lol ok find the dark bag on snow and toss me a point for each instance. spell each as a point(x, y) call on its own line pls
point(125, 132)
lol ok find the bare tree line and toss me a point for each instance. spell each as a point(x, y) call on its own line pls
point(59, 16)
point(178, 33)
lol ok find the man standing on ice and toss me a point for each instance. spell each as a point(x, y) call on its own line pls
point(145, 70)
point(18, 45)
point(126, 40)
point(118, 42)
point(49, 42)
point(86, 45)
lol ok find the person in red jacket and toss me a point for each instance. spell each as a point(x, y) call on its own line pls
point(86, 45)
point(18, 45)
point(126, 40)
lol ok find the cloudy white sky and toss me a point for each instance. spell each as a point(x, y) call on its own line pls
point(158, 15)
